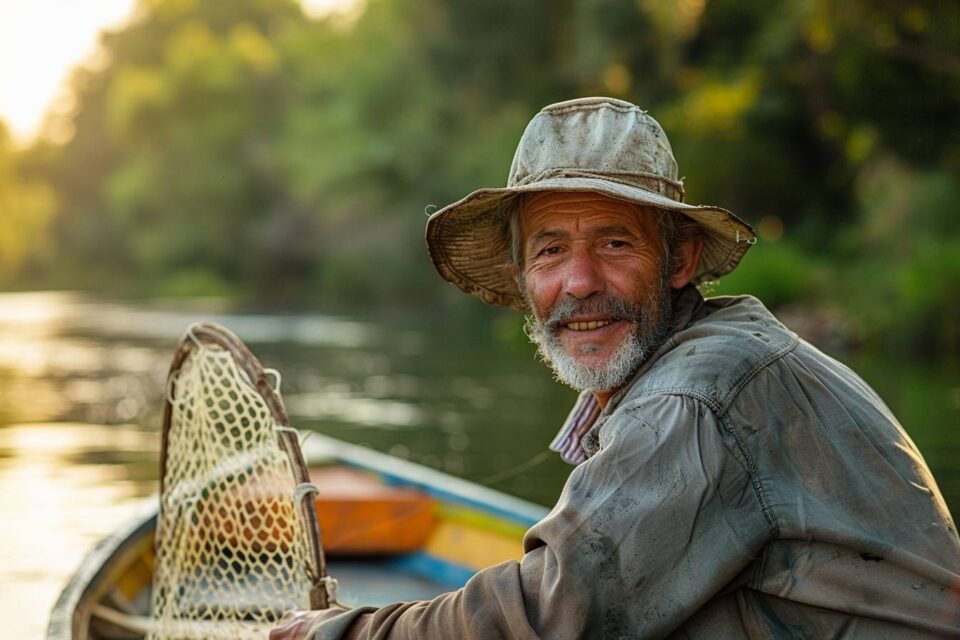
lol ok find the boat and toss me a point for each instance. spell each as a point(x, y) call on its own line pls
point(392, 530)
point(235, 549)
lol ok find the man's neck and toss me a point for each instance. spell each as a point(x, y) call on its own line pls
point(603, 397)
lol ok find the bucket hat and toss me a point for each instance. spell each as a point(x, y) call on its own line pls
point(602, 145)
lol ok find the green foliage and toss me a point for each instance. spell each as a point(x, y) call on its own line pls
point(188, 283)
point(25, 209)
point(777, 273)
point(244, 147)
point(904, 258)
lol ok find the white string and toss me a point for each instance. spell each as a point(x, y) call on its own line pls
point(331, 586)
point(276, 374)
point(303, 489)
point(190, 334)
point(302, 436)
point(520, 468)
point(280, 427)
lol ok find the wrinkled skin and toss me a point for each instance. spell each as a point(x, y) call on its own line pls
point(586, 247)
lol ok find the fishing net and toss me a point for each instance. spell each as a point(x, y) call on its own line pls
point(237, 539)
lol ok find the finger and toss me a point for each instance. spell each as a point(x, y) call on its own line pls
point(290, 627)
point(295, 624)
point(291, 614)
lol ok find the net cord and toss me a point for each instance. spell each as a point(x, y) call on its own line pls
point(197, 336)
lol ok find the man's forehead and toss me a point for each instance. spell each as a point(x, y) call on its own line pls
point(538, 209)
point(564, 201)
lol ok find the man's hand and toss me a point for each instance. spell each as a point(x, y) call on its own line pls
point(295, 625)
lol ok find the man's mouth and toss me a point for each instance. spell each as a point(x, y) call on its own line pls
point(588, 325)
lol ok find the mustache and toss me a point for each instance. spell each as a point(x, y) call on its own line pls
point(613, 307)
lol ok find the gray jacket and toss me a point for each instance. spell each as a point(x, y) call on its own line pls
point(744, 485)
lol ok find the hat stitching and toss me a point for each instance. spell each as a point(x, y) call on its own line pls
point(590, 107)
point(572, 172)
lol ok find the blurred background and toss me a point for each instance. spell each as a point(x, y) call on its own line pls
point(267, 164)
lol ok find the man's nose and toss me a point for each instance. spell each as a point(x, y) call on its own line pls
point(582, 278)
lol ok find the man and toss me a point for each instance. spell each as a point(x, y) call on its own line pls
point(731, 480)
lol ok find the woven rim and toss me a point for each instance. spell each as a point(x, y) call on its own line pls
point(469, 242)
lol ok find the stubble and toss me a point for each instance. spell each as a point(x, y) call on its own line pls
point(651, 318)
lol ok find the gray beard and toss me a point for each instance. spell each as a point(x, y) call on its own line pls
point(651, 320)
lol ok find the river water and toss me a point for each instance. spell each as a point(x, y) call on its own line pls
point(81, 385)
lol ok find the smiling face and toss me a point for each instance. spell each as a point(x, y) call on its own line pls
point(595, 278)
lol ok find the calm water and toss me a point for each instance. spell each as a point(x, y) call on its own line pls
point(80, 398)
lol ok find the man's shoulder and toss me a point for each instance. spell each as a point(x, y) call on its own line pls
point(728, 342)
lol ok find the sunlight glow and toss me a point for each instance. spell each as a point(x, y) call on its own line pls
point(324, 8)
point(47, 493)
point(40, 41)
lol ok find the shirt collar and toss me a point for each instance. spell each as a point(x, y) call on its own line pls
point(581, 418)
point(688, 304)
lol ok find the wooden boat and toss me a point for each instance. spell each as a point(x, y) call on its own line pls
point(392, 530)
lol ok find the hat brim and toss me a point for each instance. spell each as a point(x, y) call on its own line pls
point(469, 241)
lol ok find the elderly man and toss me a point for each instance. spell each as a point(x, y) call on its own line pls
point(731, 482)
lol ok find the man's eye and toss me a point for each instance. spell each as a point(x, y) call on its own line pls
point(550, 251)
point(618, 244)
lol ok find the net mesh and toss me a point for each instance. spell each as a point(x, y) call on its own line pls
point(232, 548)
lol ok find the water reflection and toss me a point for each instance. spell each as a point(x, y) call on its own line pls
point(339, 405)
point(60, 497)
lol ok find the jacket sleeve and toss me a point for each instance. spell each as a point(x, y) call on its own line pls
point(657, 522)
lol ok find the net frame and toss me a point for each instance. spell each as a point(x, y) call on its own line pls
point(322, 589)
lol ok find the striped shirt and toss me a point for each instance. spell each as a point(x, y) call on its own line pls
point(582, 417)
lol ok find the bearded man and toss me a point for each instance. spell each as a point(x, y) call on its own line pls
point(731, 480)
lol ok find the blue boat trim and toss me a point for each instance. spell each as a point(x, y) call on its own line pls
point(433, 568)
point(447, 496)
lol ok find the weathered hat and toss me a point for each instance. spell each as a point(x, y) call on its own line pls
point(602, 145)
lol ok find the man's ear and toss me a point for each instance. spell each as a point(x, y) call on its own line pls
point(688, 259)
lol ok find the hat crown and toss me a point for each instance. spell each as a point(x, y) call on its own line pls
point(601, 137)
